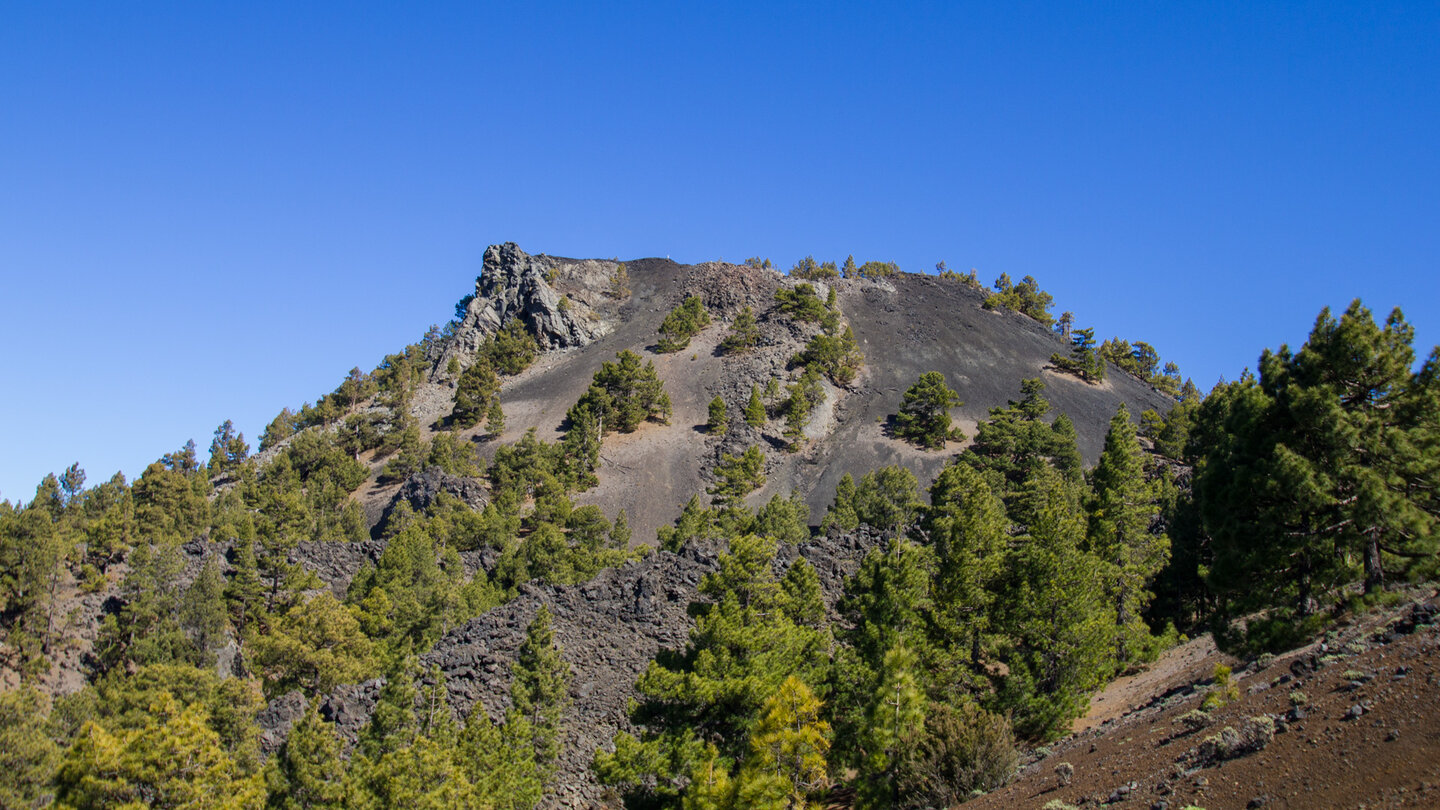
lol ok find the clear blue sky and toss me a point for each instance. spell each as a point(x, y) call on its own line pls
point(211, 211)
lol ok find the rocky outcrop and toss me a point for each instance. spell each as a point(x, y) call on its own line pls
point(277, 718)
point(423, 488)
point(513, 284)
point(334, 564)
point(608, 629)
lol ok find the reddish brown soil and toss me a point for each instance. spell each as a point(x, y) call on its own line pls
point(1388, 756)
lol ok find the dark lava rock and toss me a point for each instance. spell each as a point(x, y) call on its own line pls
point(276, 720)
point(423, 488)
point(608, 630)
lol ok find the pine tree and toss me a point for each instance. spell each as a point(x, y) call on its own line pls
point(476, 394)
point(887, 498)
point(744, 334)
point(175, 760)
point(683, 323)
point(1084, 361)
point(754, 409)
point(740, 650)
point(804, 601)
point(308, 772)
point(790, 740)
point(500, 760)
point(393, 725)
point(895, 723)
point(313, 646)
point(228, 450)
point(625, 393)
point(620, 532)
point(244, 593)
point(1053, 615)
point(738, 476)
point(28, 756)
point(969, 528)
point(717, 422)
point(841, 513)
point(202, 612)
point(539, 687)
point(1319, 472)
point(924, 416)
point(620, 282)
point(783, 519)
point(494, 417)
point(1122, 509)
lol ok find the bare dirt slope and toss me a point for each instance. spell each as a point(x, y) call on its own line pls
point(1366, 735)
point(906, 326)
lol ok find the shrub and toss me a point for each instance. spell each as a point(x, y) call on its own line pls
point(1254, 735)
point(743, 335)
point(683, 323)
point(1194, 720)
point(837, 357)
point(961, 750)
point(1064, 772)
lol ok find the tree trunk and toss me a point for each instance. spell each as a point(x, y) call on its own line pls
point(1374, 568)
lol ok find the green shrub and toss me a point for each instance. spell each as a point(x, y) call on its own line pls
point(683, 323)
point(836, 356)
point(1194, 720)
point(739, 476)
point(960, 751)
point(802, 303)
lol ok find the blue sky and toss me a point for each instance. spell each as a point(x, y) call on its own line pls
point(211, 211)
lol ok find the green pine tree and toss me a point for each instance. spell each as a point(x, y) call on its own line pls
point(744, 334)
point(308, 772)
point(716, 423)
point(1123, 508)
point(754, 409)
point(476, 393)
point(969, 528)
point(539, 689)
point(924, 416)
point(28, 756)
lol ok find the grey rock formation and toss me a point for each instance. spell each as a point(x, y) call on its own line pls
point(276, 720)
point(513, 284)
point(423, 488)
point(334, 564)
point(349, 708)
